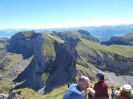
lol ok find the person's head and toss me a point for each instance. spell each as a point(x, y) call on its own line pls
point(100, 76)
point(126, 91)
point(83, 82)
point(112, 87)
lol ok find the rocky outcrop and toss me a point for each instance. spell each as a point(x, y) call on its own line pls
point(64, 65)
point(37, 61)
point(29, 46)
point(4, 96)
point(88, 36)
point(4, 40)
point(22, 44)
point(120, 40)
point(106, 62)
point(19, 67)
point(76, 34)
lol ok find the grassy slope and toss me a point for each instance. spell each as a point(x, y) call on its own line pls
point(55, 94)
point(126, 51)
point(28, 34)
point(48, 45)
point(72, 33)
point(15, 58)
point(127, 36)
point(1, 45)
point(7, 84)
point(6, 62)
point(58, 92)
point(84, 47)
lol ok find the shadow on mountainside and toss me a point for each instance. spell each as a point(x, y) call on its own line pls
point(64, 65)
point(25, 77)
point(61, 70)
point(22, 43)
point(26, 53)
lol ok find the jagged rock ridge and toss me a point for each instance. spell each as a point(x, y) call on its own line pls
point(76, 34)
point(48, 60)
point(120, 40)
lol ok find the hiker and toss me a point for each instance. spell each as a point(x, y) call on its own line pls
point(100, 90)
point(125, 92)
point(68, 85)
point(113, 92)
point(74, 91)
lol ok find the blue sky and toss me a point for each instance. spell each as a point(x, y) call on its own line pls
point(64, 13)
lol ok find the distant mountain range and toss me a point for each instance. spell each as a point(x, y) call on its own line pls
point(101, 32)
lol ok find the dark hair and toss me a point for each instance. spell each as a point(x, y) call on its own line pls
point(100, 75)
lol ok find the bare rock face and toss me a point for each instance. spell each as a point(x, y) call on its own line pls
point(22, 44)
point(76, 34)
point(30, 46)
point(12, 95)
point(61, 67)
point(4, 96)
point(64, 69)
point(1, 77)
point(116, 63)
point(120, 40)
point(48, 63)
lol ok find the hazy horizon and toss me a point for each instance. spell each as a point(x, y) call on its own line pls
point(67, 27)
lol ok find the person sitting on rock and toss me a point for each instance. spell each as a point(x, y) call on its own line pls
point(74, 91)
point(100, 90)
point(125, 92)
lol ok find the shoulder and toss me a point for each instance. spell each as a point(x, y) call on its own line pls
point(105, 83)
point(72, 86)
point(73, 93)
point(74, 89)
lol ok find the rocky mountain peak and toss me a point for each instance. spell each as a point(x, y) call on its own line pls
point(76, 34)
point(120, 40)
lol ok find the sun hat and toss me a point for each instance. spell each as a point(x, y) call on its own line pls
point(100, 75)
point(126, 88)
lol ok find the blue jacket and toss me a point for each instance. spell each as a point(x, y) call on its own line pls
point(73, 92)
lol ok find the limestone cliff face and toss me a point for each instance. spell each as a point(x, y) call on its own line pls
point(64, 65)
point(60, 67)
point(105, 61)
point(120, 40)
point(117, 64)
point(49, 61)
point(76, 34)
point(31, 49)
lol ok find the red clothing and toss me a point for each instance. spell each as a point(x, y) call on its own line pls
point(101, 89)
